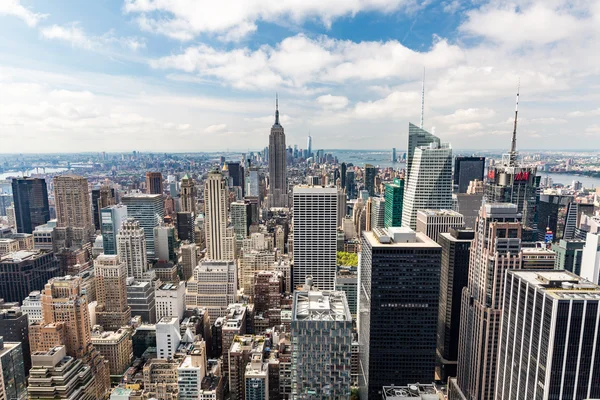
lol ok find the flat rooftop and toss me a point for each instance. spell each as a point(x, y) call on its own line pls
point(19, 255)
point(320, 306)
point(438, 213)
point(413, 391)
point(415, 239)
point(560, 284)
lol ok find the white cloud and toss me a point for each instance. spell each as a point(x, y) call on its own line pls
point(589, 113)
point(333, 102)
point(72, 34)
point(16, 9)
point(466, 115)
point(215, 128)
point(234, 19)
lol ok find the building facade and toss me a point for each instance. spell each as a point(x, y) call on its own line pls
point(278, 193)
point(149, 211)
point(216, 214)
point(30, 197)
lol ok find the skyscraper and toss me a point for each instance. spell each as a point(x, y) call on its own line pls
point(315, 229)
point(512, 182)
point(154, 183)
point(370, 174)
point(14, 384)
point(394, 197)
point(131, 248)
point(398, 309)
point(429, 182)
point(350, 184)
point(321, 332)
point(453, 278)
point(187, 193)
point(186, 228)
point(467, 169)
point(102, 197)
point(495, 249)
point(74, 224)
point(434, 222)
point(112, 311)
point(30, 197)
point(241, 218)
point(309, 146)
point(548, 345)
point(343, 175)
point(377, 212)
point(278, 194)
point(25, 271)
point(149, 211)
point(215, 216)
point(112, 218)
point(417, 137)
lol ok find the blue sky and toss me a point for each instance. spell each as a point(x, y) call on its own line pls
point(194, 75)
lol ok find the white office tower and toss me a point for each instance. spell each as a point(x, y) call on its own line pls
point(32, 305)
point(377, 212)
point(131, 248)
point(315, 235)
point(191, 372)
point(590, 260)
point(168, 337)
point(149, 210)
point(213, 286)
point(430, 182)
point(434, 222)
point(253, 188)
point(215, 216)
point(549, 346)
point(170, 300)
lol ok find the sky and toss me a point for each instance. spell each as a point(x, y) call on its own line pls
point(202, 75)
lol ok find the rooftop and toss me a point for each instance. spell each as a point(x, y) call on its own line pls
point(398, 237)
point(413, 391)
point(560, 284)
point(19, 255)
point(320, 306)
point(430, 212)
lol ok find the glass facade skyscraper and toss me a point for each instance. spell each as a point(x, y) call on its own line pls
point(30, 196)
point(394, 197)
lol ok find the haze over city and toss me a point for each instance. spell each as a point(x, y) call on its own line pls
point(202, 76)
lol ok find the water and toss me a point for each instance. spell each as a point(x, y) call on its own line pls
point(566, 179)
point(5, 175)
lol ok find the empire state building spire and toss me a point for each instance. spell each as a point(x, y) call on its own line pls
point(276, 109)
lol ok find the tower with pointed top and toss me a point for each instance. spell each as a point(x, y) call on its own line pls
point(188, 194)
point(278, 194)
point(514, 182)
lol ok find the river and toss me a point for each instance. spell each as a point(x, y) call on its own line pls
point(5, 175)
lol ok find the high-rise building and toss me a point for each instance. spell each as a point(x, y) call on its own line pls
point(241, 218)
point(394, 156)
point(278, 193)
point(187, 193)
point(453, 278)
point(115, 347)
point(547, 348)
point(550, 208)
point(25, 271)
point(154, 183)
point(343, 170)
point(495, 250)
point(13, 384)
point(14, 327)
point(165, 242)
point(214, 287)
point(192, 372)
point(63, 301)
point(394, 197)
point(141, 300)
point(434, 222)
point(467, 169)
point(236, 175)
point(168, 336)
point(102, 197)
point(149, 211)
point(569, 253)
point(189, 260)
point(215, 217)
point(112, 311)
point(32, 306)
point(590, 259)
point(377, 212)
point(315, 230)
point(57, 375)
point(321, 332)
point(417, 137)
point(253, 182)
point(309, 146)
point(74, 222)
point(398, 309)
point(351, 185)
point(170, 300)
point(429, 183)
point(30, 197)
point(131, 248)
point(186, 228)
point(370, 174)
point(111, 219)
point(5, 201)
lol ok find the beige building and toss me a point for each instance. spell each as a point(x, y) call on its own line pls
point(115, 347)
point(187, 194)
point(112, 311)
point(8, 246)
point(160, 379)
point(74, 225)
point(215, 216)
point(43, 337)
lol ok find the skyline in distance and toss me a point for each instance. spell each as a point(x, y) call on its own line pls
point(180, 76)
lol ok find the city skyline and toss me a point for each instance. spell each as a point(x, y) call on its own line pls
point(138, 70)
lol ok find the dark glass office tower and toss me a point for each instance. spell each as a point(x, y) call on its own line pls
point(467, 169)
point(343, 174)
point(186, 227)
point(398, 309)
point(350, 185)
point(25, 271)
point(236, 173)
point(30, 196)
point(370, 174)
point(454, 277)
point(101, 198)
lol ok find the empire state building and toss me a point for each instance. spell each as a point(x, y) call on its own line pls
point(278, 196)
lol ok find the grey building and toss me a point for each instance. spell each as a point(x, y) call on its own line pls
point(569, 253)
point(467, 169)
point(30, 196)
point(278, 196)
point(149, 211)
point(453, 278)
point(24, 271)
point(140, 298)
point(111, 219)
point(548, 345)
point(14, 327)
point(398, 309)
point(321, 332)
point(13, 370)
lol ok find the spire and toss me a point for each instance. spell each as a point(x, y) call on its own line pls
point(423, 98)
point(513, 146)
point(276, 109)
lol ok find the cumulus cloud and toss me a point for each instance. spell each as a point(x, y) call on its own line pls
point(588, 113)
point(215, 128)
point(16, 9)
point(465, 115)
point(334, 102)
point(77, 37)
point(234, 19)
